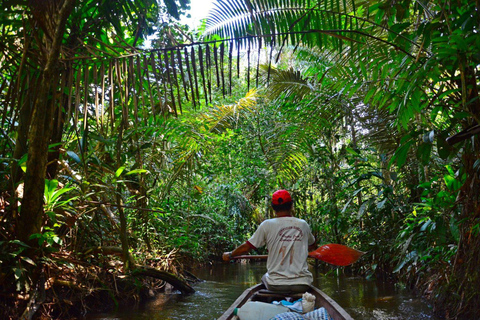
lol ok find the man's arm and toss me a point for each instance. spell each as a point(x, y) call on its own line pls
point(240, 250)
point(313, 246)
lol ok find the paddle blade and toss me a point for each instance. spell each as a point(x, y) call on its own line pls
point(336, 254)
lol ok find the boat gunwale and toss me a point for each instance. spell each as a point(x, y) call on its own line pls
point(335, 311)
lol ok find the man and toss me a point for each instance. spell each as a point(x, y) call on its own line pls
point(288, 240)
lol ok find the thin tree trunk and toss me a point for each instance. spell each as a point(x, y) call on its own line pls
point(31, 216)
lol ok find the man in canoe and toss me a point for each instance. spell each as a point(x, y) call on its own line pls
point(288, 240)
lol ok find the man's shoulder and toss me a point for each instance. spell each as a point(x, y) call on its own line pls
point(302, 222)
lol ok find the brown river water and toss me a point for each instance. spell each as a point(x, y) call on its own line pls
point(223, 283)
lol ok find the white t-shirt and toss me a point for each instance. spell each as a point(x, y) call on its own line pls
point(287, 240)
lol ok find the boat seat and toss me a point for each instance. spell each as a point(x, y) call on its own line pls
point(269, 296)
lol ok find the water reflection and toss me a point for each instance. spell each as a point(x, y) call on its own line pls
point(224, 283)
point(373, 299)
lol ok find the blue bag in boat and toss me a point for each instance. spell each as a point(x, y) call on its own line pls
point(294, 306)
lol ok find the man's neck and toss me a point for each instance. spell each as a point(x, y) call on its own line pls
point(281, 214)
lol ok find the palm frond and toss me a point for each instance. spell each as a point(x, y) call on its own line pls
point(333, 24)
point(286, 84)
point(225, 116)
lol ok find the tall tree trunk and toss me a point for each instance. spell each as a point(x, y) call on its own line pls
point(31, 216)
point(464, 279)
point(119, 190)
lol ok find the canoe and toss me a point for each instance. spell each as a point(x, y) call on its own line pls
point(259, 293)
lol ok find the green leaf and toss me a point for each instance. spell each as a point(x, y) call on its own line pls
point(423, 153)
point(462, 115)
point(452, 183)
point(369, 95)
point(20, 243)
point(407, 258)
point(476, 165)
point(51, 185)
point(399, 27)
point(74, 156)
point(425, 225)
point(363, 207)
point(23, 162)
point(400, 155)
point(381, 204)
point(28, 260)
point(137, 171)
point(345, 207)
point(444, 149)
point(119, 171)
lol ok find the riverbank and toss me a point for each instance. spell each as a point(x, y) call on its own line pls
point(70, 288)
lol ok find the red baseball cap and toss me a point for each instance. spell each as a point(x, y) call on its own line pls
point(281, 197)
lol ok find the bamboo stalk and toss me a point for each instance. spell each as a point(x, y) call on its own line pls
point(155, 74)
point(149, 87)
point(239, 44)
point(248, 64)
point(117, 77)
point(125, 76)
point(85, 98)
point(209, 72)
point(215, 56)
point(69, 87)
point(112, 94)
point(174, 67)
point(122, 83)
point(95, 93)
point(14, 95)
point(180, 66)
point(258, 60)
point(202, 73)
point(195, 72)
point(77, 97)
point(163, 70)
point(141, 92)
point(10, 97)
point(135, 93)
point(190, 80)
point(63, 85)
point(222, 53)
point(272, 45)
point(5, 110)
point(102, 103)
point(230, 52)
point(167, 71)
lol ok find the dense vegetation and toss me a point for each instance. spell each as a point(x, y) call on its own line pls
point(120, 162)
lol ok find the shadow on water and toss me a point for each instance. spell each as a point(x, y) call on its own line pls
point(225, 282)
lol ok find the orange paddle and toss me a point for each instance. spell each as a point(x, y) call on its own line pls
point(336, 254)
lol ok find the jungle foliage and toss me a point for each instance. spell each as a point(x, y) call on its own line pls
point(114, 155)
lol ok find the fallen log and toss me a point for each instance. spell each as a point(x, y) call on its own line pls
point(175, 281)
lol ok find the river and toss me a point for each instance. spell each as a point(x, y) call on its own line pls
point(223, 283)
